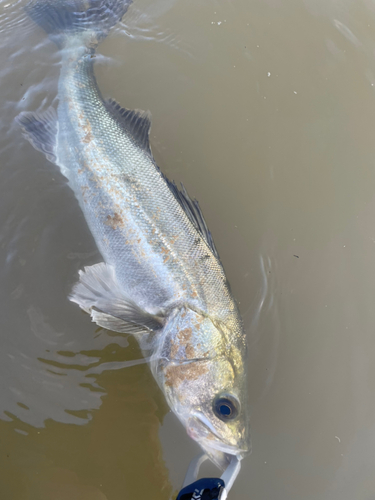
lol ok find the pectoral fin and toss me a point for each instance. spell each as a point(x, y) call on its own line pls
point(98, 293)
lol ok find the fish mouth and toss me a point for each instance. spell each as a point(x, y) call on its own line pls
point(219, 450)
point(219, 457)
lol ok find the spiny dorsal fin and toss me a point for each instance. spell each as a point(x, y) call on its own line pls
point(135, 121)
point(194, 213)
point(138, 124)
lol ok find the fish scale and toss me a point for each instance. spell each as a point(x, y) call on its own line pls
point(161, 278)
point(161, 212)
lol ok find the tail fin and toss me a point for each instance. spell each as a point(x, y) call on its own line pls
point(64, 18)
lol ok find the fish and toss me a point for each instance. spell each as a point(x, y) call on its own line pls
point(160, 278)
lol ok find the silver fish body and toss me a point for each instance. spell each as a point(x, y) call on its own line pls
point(161, 278)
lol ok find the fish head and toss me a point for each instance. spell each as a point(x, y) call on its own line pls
point(218, 420)
point(220, 429)
point(205, 385)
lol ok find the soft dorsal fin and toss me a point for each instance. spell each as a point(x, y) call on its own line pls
point(138, 124)
point(135, 121)
point(194, 213)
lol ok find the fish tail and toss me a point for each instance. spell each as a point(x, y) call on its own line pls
point(63, 19)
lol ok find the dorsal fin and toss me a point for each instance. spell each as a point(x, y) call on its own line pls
point(194, 213)
point(135, 121)
point(138, 124)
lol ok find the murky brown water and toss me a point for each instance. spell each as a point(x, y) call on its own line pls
point(266, 110)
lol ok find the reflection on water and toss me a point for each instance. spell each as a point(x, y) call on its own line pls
point(108, 456)
point(266, 111)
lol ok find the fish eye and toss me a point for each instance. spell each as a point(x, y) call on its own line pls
point(226, 407)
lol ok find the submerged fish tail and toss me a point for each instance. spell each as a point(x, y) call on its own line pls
point(63, 19)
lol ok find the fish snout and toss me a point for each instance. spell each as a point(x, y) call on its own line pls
point(219, 450)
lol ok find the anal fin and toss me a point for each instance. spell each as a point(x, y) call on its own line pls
point(40, 129)
point(98, 293)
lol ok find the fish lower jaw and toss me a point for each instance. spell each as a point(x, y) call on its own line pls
point(200, 429)
point(218, 452)
point(217, 446)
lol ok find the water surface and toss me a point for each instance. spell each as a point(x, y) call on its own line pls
point(265, 109)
